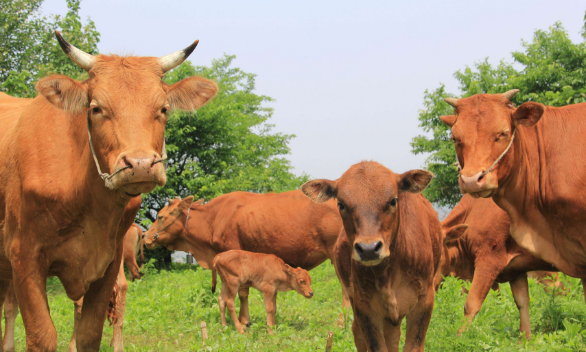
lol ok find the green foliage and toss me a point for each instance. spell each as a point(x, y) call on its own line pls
point(551, 72)
point(164, 309)
point(225, 146)
point(29, 50)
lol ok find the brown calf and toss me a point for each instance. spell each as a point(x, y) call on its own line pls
point(387, 253)
point(478, 247)
point(266, 272)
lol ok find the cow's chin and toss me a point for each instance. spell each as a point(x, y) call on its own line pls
point(137, 188)
point(369, 262)
point(483, 194)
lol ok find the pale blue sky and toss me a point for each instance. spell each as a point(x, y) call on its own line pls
point(348, 76)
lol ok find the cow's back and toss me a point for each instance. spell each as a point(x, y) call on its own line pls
point(287, 224)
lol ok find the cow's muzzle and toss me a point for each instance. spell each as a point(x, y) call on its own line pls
point(141, 172)
point(478, 185)
point(370, 252)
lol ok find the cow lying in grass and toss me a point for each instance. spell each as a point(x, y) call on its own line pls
point(265, 272)
point(479, 247)
point(387, 253)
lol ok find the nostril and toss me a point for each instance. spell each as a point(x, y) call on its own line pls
point(481, 176)
point(378, 246)
point(126, 162)
point(311, 293)
point(358, 248)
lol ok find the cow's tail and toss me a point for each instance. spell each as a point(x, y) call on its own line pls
point(214, 274)
point(112, 312)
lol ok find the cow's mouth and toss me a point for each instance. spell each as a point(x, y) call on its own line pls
point(370, 262)
point(483, 194)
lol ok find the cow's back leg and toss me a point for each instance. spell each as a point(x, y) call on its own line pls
point(520, 290)
point(244, 315)
point(392, 335)
point(30, 286)
point(418, 322)
point(222, 304)
point(231, 291)
point(10, 313)
point(270, 296)
point(95, 306)
point(77, 306)
point(584, 288)
point(117, 339)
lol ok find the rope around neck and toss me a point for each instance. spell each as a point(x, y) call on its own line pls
point(156, 234)
point(108, 177)
point(457, 163)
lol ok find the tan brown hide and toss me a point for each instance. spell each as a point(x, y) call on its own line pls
point(539, 182)
point(240, 270)
point(133, 247)
point(58, 216)
point(479, 248)
point(387, 253)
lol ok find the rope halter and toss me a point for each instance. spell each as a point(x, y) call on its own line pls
point(108, 177)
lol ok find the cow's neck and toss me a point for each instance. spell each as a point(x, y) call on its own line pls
point(197, 236)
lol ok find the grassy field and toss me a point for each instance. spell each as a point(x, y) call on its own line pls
point(164, 310)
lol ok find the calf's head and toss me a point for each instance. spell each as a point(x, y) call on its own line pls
point(368, 197)
point(127, 105)
point(482, 129)
point(170, 223)
point(450, 234)
point(299, 280)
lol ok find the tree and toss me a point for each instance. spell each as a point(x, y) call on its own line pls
point(29, 49)
point(552, 73)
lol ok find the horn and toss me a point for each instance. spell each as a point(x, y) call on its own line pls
point(81, 58)
point(168, 62)
point(452, 101)
point(510, 94)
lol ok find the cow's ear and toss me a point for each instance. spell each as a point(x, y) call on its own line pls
point(185, 203)
point(199, 202)
point(414, 181)
point(528, 114)
point(191, 93)
point(455, 232)
point(64, 92)
point(449, 120)
point(320, 190)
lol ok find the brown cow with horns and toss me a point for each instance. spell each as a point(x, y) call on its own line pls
point(57, 217)
point(387, 253)
point(530, 160)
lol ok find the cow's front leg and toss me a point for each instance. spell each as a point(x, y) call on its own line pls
point(10, 313)
point(77, 306)
point(520, 290)
point(371, 328)
point(244, 315)
point(30, 285)
point(393, 334)
point(117, 339)
point(418, 322)
point(269, 298)
point(95, 306)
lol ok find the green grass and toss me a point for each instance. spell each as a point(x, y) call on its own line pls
point(164, 310)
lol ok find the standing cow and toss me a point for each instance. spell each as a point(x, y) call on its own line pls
point(387, 253)
point(479, 247)
point(71, 161)
point(288, 225)
point(530, 160)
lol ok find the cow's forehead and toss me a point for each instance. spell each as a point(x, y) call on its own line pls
point(483, 110)
point(367, 182)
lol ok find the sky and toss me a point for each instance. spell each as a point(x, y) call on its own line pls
point(348, 77)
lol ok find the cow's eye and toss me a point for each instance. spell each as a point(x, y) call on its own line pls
point(164, 110)
point(96, 110)
point(502, 135)
point(394, 201)
point(341, 206)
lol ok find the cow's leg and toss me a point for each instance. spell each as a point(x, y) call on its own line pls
point(584, 288)
point(483, 280)
point(393, 335)
point(230, 296)
point(95, 306)
point(30, 286)
point(10, 313)
point(222, 304)
point(418, 322)
point(275, 310)
point(244, 315)
point(77, 306)
point(268, 296)
point(371, 328)
point(4, 286)
point(359, 339)
point(345, 305)
point(520, 290)
point(117, 340)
